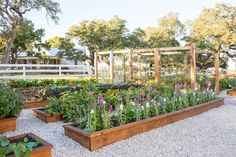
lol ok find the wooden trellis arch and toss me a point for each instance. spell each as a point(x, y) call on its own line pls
point(157, 53)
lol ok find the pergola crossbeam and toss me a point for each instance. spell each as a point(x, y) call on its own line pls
point(156, 53)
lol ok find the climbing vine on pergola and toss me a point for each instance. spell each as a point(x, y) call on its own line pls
point(156, 53)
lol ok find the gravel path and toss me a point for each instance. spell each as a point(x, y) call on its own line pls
point(211, 134)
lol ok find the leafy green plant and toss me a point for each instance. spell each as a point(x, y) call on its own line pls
point(19, 149)
point(11, 103)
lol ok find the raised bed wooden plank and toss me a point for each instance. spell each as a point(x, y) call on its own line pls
point(8, 124)
point(36, 104)
point(231, 92)
point(95, 140)
point(40, 114)
point(42, 151)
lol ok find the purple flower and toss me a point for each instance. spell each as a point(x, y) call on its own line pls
point(100, 100)
point(195, 84)
point(139, 99)
point(150, 89)
point(154, 91)
point(208, 82)
point(110, 108)
point(204, 90)
point(179, 86)
point(142, 94)
point(148, 97)
point(129, 93)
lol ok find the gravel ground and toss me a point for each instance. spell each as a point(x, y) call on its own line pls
point(211, 134)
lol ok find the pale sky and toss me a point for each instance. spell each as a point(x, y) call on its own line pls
point(137, 13)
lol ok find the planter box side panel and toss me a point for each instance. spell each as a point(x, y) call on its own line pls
point(107, 138)
point(46, 118)
point(102, 138)
point(8, 124)
point(41, 151)
point(82, 139)
point(29, 105)
point(231, 92)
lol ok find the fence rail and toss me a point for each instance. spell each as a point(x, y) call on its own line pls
point(33, 71)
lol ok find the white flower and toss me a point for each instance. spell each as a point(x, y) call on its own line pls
point(142, 108)
point(121, 107)
point(147, 105)
point(92, 111)
point(164, 99)
point(104, 102)
point(132, 103)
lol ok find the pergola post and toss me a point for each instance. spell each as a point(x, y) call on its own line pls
point(217, 72)
point(111, 67)
point(193, 67)
point(124, 69)
point(131, 75)
point(157, 58)
point(185, 70)
point(96, 65)
point(139, 67)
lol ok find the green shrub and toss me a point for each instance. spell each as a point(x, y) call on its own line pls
point(11, 103)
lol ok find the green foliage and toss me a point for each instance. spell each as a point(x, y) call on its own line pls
point(92, 109)
point(213, 28)
point(11, 103)
point(68, 49)
point(167, 33)
point(20, 149)
point(12, 17)
point(48, 82)
point(98, 35)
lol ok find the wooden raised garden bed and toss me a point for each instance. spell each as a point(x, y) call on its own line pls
point(40, 114)
point(231, 92)
point(36, 104)
point(95, 140)
point(42, 150)
point(8, 124)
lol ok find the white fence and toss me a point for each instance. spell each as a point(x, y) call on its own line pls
point(47, 71)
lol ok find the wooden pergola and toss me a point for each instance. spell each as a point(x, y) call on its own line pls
point(157, 53)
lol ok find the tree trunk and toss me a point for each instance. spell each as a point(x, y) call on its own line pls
point(5, 58)
point(92, 58)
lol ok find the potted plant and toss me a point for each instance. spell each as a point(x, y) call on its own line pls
point(11, 105)
point(25, 145)
point(52, 112)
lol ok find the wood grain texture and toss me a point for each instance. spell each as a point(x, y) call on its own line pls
point(231, 92)
point(40, 114)
point(8, 124)
point(93, 141)
point(41, 151)
point(29, 105)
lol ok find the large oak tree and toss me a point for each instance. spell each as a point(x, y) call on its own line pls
point(12, 17)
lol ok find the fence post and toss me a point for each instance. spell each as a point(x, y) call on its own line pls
point(60, 71)
point(24, 72)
